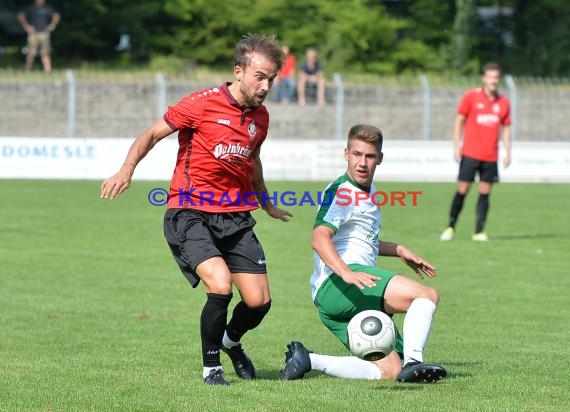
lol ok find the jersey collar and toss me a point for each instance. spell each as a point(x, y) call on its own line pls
point(361, 187)
point(231, 99)
point(490, 99)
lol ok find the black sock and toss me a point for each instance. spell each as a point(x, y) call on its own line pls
point(212, 326)
point(245, 318)
point(482, 210)
point(456, 207)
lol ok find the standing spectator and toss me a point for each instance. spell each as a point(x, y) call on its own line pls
point(311, 77)
point(286, 77)
point(39, 20)
point(480, 115)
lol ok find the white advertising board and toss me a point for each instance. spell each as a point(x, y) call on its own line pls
point(320, 160)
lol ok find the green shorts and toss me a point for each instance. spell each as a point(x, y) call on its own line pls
point(338, 302)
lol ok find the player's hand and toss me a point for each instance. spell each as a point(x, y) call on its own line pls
point(115, 185)
point(360, 279)
point(457, 154)
point(421, 266)
point(277, 213)
point(507, 160)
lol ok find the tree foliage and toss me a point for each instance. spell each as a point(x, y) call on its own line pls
point(461, 41)
point(371, 36)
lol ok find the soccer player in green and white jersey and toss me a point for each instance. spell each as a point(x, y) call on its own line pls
point(346, 280)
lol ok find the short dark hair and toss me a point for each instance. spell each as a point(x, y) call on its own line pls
point(490, 66)
point(366, 133)
point(258, 43)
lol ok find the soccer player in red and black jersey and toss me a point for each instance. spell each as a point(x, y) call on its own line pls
point(480, 115)
point(217, 181)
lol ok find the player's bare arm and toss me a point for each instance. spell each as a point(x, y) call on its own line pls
point(119, 182)
point(322, 243)
point(259, 187)
point(419, 265)
point(458, 136)
point(507, 145)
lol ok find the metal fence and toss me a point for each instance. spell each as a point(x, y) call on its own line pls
point(83, 104)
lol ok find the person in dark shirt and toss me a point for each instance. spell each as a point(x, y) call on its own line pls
point(39, 20)
point(311, 76)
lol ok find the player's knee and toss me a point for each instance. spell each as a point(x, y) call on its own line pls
point(255, 314)
point(255, 295)
point(463, 188)
point(431, 294)
point(259, 301)
point(424, 292)
point(264, 308)
point(219, 286)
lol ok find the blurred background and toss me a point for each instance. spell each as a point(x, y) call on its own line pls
point(402, 64)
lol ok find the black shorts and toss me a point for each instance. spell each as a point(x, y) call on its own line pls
point(195, 236)
point(468, 167)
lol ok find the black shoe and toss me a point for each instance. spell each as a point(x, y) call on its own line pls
point(242, 363)
point(297, 362)
point(419, 372)
point(216, 377)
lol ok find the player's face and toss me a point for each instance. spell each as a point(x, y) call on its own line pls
point(362, 158)
point(255, 80)
point(491, 80)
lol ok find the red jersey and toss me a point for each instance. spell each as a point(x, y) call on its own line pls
point(217, 139)
point(484, 117)
point(289, 67)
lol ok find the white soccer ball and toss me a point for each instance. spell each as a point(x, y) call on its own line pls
point(371, 335)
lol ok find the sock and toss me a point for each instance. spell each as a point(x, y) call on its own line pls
point(456, 207)
point(227, 342)
point(212, 325)
point(482, 209)
point(417, 325)
point(245, 318)
point(349, 367)
point(207, 369)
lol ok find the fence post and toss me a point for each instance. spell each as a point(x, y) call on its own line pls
point(513, 97)
point(339, 105)
point(70, 102)
point(426, 106)
point(161, 83)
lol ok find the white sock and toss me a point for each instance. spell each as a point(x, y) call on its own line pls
point(417, 325)
point(207, 370)
point(227, 342)
point(349, 367)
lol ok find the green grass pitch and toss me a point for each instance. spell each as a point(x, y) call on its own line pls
point(94, 314)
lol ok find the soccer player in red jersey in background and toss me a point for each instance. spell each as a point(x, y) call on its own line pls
point(480, 115)
point(208, 224)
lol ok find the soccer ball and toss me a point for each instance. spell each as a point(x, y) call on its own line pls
point(371, 335)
